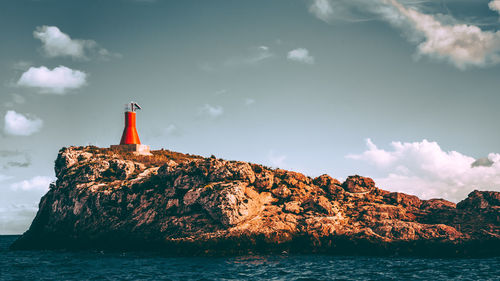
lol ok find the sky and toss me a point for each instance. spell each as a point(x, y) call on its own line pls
point(405, 92)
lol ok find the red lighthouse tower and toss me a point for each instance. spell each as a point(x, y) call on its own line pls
point(130, 139)
point(130, 135)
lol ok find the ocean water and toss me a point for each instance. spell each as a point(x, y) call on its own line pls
point(92, 265)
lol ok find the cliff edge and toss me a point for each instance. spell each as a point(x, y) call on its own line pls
point(182, 204)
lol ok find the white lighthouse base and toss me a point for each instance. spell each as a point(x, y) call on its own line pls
point(137, 149)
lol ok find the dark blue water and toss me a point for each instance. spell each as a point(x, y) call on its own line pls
point(63, 265)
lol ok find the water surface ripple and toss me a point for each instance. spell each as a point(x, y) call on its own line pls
point(91, 265)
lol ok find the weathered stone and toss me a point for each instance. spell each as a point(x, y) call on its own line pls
point(358, 184)
point(206, 206)
point(293, 207)
point(281, 191)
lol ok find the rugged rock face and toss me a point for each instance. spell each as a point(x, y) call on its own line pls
point(184, 204)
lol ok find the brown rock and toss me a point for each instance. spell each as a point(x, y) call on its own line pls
point(438, 204)
point(293, 207)
point(404, 199)
point(281, 191)
point(264, 180)
point(358, 184)
point(320, 204)
point(186, 204)
point(480, 200)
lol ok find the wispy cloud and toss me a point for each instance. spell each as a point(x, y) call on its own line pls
point(15, 159)
point(38, 183)
point(276, 160)
point(424, 169)
point(21, 65)
point(300, 55)
point(254, 56)
point(212, 111)
point(172, 130)
point(437, 36)
point(322, 9)
point(56, 81)
point(56, 43)
point(461, 44)
point(17, 124)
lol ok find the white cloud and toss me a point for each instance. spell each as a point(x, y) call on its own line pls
point(424, 169)
point(300, 55)
point(461, 44)
point(277, 161)
point(211, 111)
point(255, 56)
point(38, 183)
point(57, 80)
point(172, 130)
point(20, 125)
point(322, 9)
point(494, 5)
point(437, 36)
point(56, 43)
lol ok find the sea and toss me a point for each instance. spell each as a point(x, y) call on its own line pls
point(97, 265)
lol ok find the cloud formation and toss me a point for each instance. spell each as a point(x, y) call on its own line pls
point(254, 56)
point(461, 44)
point(424, 169)
point(300, 55)
point(322, 9)
point(212, 111)
point(38, 183)
point(437, 36)
point(56, 43)
point(56, 81)
point(17, 124)
point(15, 158)
point(172, 130)
point(494, 5)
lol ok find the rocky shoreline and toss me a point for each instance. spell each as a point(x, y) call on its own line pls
point(181, 204)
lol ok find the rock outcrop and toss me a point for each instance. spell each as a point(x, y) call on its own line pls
point(189, 205)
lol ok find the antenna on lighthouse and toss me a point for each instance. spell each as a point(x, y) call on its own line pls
point(132, 107)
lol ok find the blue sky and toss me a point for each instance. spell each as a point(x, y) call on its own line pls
point(402, 91)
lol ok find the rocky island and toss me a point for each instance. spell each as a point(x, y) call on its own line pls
point(182, 204)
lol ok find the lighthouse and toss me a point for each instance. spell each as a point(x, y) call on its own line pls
point(130, 138)
point(130, 135)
